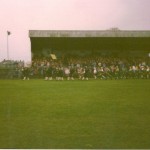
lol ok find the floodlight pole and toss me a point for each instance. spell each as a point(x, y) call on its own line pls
point(7, 47)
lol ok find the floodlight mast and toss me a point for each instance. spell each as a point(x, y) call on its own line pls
point(8, 33)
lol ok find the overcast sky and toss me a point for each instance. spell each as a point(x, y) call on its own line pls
point(20, 16)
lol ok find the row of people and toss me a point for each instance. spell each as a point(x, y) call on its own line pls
point(86, 72)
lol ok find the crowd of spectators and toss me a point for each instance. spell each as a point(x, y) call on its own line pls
point(84, 68)
point(97, 67)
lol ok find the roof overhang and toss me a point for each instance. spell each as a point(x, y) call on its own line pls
point(88, 33)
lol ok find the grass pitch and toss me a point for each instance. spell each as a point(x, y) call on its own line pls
point(75, 114)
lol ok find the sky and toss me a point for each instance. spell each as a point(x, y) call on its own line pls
point(20, 16)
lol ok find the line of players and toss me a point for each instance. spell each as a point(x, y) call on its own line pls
point(59, 73)
point(84, 73)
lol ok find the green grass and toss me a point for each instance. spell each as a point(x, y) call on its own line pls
point(75, 114)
